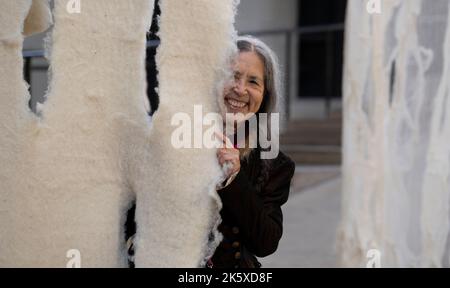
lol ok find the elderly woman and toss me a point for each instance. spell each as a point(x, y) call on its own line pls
point(256, 188)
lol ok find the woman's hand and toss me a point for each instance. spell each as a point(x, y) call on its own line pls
point(228, 156)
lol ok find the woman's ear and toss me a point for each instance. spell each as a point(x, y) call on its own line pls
point(39, 18)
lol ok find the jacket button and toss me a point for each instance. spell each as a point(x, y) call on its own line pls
point(237, 255)
point(225, 245)
point(235, 230)
point(235, 244)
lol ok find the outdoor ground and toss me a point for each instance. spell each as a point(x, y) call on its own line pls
point(311, 217)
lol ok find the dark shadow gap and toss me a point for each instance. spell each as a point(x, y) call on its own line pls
point(35, 72)
point(392, 82)
point(151, 69)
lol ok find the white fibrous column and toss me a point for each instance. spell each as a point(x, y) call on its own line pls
point(64, 176)
point(396, 154)
point(177, 221)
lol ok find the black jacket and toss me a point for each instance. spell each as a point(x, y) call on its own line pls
point(251, 213)
point(252, 220)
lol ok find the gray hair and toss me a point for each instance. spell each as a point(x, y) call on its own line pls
point(272, 97)
point(272, 73)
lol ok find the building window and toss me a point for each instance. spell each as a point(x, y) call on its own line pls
point(321, 48)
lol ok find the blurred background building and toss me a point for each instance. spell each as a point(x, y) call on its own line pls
point(307, 36)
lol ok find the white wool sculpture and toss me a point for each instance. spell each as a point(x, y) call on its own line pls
point(68, 177)
point(396, 167)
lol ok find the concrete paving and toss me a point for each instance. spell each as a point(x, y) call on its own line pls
point(311, 217)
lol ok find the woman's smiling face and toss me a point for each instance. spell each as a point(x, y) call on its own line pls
point(245, 94)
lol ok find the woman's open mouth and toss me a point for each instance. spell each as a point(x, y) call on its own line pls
point(235, 104)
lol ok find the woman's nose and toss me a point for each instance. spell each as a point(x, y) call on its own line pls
point(239, 87)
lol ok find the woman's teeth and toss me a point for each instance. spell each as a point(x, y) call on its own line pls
point(236, 104)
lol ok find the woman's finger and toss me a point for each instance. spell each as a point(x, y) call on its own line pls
point(229, 158)
point(225, 140)
point(223, 151)
point(221, 137)
point(225, 158)
point(228, 142)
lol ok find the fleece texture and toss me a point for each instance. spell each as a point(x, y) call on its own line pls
point(68, 177)
point(39, 17)
point(197, 41)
